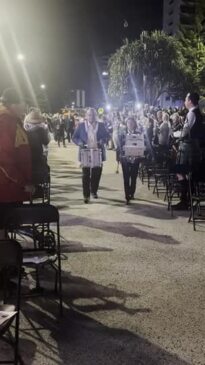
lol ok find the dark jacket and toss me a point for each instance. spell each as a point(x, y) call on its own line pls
point(15, 159)
point(38, 137)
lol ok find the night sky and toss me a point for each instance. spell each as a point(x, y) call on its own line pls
point(59, 38)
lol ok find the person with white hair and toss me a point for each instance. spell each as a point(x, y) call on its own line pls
point(39, 138)
point(164, 130)
point(93, 134)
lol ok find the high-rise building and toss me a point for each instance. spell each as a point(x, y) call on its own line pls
point(171, 16)
point(178, 12)
point(75, 98)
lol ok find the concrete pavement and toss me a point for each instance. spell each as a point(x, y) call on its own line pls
point(133, 279)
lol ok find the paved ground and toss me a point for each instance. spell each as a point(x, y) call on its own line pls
point(133, 279)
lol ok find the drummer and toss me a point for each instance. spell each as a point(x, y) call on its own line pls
point(91, 134)
point(130, 165)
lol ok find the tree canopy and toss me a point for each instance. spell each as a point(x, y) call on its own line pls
point(157, 63)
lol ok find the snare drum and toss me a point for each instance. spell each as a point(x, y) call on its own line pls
point(134, 146)
point(91, 157)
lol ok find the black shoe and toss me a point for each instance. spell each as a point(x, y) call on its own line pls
point(127, 200)
point(95, 195)
point(182, 205)
point(86, 200)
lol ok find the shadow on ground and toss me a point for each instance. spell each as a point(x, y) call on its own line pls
point(121, 228)
point(81, 340)
point(76, 246)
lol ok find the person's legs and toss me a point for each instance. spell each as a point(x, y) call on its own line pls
point(68, 136)
point(96, 173)
point(58, 139)
point(63, 139)
point(126, 178)
point(86, 182)
point(133, 173)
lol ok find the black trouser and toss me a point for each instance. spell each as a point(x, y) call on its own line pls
point(70, 134)
point(130, 172)
point(91, 180)
point(60, 138)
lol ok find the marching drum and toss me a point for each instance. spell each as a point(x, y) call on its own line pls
point(91, 157)
point(134, 146)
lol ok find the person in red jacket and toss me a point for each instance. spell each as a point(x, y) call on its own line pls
point(15, 154)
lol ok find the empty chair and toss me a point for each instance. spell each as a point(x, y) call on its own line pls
point(197, 199)
point(10, 262)
point(34, 221)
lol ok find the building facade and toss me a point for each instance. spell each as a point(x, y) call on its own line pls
point(178, 12)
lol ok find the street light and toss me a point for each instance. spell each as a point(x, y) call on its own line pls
point(43, 86)
point(138, 105)
point(20, 57)
point(108, 107)
point(105, 73)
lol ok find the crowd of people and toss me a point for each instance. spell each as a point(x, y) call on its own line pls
point(172, 137)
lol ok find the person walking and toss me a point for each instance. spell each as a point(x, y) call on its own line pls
point(130, 165)
point(92, 134)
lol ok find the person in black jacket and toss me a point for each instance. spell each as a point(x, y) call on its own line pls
point(190, 153)
point(39, 138)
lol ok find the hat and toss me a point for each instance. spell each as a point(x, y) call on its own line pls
point(11, 96)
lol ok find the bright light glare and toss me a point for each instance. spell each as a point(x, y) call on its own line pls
point(105, 73)
point(20, 57)
point(108, 107)
point(138, 105)
point(43, 86)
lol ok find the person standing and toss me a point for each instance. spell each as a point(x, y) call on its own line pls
point(189, 154)
point(92, 134)
point(39, 138)
point(15, 155)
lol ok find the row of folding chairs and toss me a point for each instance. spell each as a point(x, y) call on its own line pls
point(161, 181)
point(39, 223)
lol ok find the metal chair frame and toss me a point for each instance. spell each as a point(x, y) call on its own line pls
point(11, 256)
point(197, 197)
point(26, 220)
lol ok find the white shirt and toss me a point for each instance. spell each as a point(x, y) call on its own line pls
point(189, 122)
point(92, 134)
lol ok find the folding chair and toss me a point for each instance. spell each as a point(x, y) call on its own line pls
point(42, 192)
point(161, 178)
point(33, 221)
point(197, 199)
point(10, 260)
